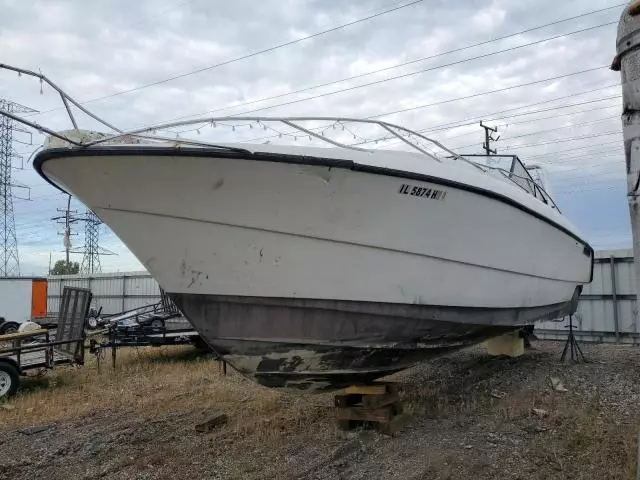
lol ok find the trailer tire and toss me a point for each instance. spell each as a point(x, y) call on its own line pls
point(92, 323)
point(9, 379)
point(9, 327)
point(157, 323)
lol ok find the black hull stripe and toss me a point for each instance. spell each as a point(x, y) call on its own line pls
point(50, 154)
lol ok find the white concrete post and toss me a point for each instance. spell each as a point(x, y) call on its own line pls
point(627, 61)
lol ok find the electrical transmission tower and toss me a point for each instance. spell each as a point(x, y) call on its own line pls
point(488, 138)
point(92, 251)
point(9, 259)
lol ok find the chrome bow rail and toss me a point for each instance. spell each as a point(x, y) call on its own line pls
point(149, 134)
point(401, 133)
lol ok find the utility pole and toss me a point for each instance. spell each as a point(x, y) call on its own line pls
point(627, 62)
point(92, 251)
point(9, 259)
point(488, 138)
point(67, 218)
point(67, 229)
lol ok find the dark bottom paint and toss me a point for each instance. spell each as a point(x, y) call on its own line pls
point(328, 344)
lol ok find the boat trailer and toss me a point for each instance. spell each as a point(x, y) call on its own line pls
point(155, 325)
point(42, 348)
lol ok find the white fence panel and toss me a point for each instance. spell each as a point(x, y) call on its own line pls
point(114, 292)
point(607, 309)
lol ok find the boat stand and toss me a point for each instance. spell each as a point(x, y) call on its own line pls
point(376, 406)
point(572, 345)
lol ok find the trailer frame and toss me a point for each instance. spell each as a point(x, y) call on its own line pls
point(45, 348)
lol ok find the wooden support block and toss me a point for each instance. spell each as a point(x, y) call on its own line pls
point(377, 401)
point(394, 425)
point(345, 425)
point(393, 387)
point(359, 413)
point(376, 389)
point(510, 344)
point(214, 422)
point(397, 408)
point(348, 400)
point(371, 406)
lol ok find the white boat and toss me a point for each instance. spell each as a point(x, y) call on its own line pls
point(315, 268)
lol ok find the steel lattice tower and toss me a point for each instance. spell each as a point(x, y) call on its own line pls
point(9, 260)
point(92, 250)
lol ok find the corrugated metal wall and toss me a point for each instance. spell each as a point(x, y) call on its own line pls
point(606, 312)
point(114, 292)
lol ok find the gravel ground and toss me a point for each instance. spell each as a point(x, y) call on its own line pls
point(472, 418)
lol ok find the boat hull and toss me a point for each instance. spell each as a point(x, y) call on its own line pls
point(307, 272)
point(316, 345)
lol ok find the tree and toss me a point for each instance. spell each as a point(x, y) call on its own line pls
point(61, 267)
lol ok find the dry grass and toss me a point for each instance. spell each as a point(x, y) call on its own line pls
point(151, 382)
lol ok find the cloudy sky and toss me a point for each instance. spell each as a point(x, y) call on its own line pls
point(536, 69)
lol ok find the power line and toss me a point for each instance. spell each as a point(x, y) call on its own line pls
point(574, 149)
point(406, 75)
point(568, 159)
point(258, 52)
point(538, 132)
point(489, 92)
point(560, 107)
point(473, 120)
point(399, 65)
point(563, 140)
point(581, 165)
point(533, 120)
point(571, 176)
point(452, 100)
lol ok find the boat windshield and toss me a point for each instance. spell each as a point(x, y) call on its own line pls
point(510, 168)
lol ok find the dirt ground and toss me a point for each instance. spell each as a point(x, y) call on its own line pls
point(472, 418)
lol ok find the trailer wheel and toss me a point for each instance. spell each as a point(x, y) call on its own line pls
point(157, 323)
point(9, 380)
point(9, 327)
point(92, 323)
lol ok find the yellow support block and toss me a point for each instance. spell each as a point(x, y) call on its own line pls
point(509, 344)
point(377, 389)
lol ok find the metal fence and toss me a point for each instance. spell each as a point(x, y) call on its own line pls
point(607, 309)
point(114, 292)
